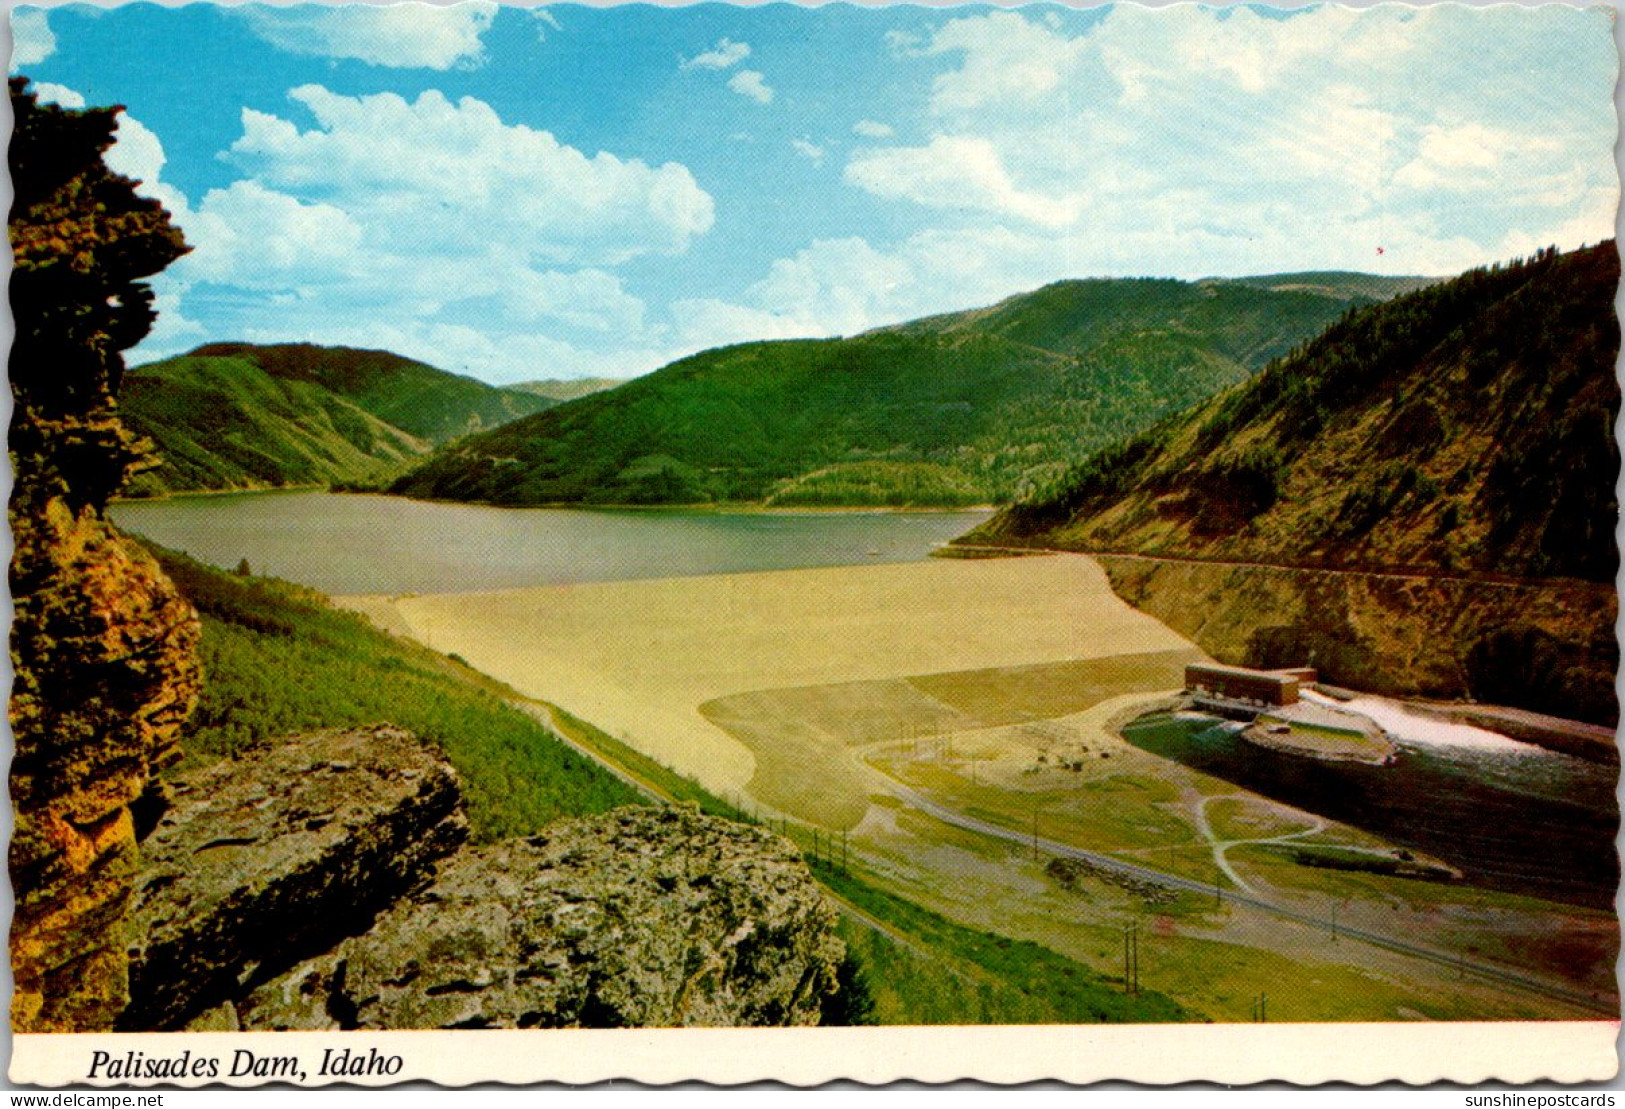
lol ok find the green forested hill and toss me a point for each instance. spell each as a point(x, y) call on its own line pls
point(954, 409)
point(236, 416)
point(1467, 426)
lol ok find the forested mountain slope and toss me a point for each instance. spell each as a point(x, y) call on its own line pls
point(237, 416)
point(954, 409)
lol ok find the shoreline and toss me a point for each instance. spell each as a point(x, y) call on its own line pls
point(726, 508)
point(207, 494)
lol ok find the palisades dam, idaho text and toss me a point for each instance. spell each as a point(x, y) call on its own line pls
point(240, 1063)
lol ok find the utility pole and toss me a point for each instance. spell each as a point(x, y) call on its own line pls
point(1035, 833)
point(1134, 954)
point(1131, 958)
point(1128, 979)
point(843, 851)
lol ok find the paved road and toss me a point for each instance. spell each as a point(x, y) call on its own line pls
point(1221, 847)
point(545, 715)
point(1503, 976)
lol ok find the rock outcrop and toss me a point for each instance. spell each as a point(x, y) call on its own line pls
point(642, 917)
point(321, 883)
point(103, 648)
point(266, 860)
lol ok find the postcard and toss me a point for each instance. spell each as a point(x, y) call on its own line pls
point(721, 542)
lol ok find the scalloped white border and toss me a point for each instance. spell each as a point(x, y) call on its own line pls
point(1515, 1052)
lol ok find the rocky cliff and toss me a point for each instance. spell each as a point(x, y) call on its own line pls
point(105, 675)
point(103, 649)
point(320, 883)
point(1547, 646)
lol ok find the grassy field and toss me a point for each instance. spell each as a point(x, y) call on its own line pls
point(1244, 818)
point(925, 969)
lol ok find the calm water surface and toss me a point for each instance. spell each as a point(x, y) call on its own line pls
point(352, 543)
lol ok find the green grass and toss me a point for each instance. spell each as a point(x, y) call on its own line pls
point(968, 977)
point(976, 977)
point(1401, 435)
point(278, 660)
point(1241, 818)
point(662, 778)
point(881, 484)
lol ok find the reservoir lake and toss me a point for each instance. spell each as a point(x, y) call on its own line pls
point(360, 543)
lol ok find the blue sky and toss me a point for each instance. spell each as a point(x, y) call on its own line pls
point(568, 191)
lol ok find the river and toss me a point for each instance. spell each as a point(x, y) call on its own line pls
point(358, 543)
point(1510, 815)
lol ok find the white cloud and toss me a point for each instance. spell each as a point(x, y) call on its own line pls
point(831, 287)
point(870, 129)
point(430, 177)
point(959, 173)
point(723, 55)
point(136, 152)
point(1006, 60)
point(590, 299)
point(173, 331)
point(58, 94)
point(403, 36)
point(421, 225)
point(1188, 140)
point(252, 237)
point(31, 38)
point(750, 83)
point(1472, 146)
point(429, 228)
point(846, 286)
point(808, 150)
point(902, 43)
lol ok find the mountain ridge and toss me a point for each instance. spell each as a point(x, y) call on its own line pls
point(957, 408)
point(244, 416)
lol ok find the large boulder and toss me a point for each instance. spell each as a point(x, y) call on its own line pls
point(640, 917)
point(272, 858)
